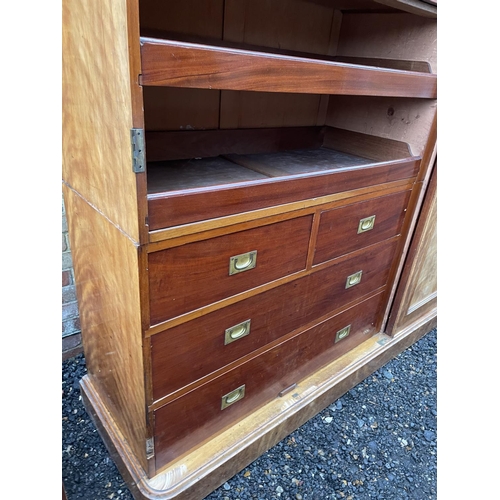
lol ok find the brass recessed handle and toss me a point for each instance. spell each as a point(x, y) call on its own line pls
point(237, 332)
point(353, 279)
point(242, 262)
point(342, 334)
point(232, 397)
point(366, 224)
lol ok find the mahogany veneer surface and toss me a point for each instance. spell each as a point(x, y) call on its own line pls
point(190, 276)
point(182, 207)
point(194, 349)
point(190, 419)
point(338, 228)
point(179, 64)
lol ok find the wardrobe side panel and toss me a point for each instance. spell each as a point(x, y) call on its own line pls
point(97, 109)
point(106, 264)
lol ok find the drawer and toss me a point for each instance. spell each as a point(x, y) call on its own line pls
point(185, 422)
point(192, 350)
point(188, 277)
point(348, 228)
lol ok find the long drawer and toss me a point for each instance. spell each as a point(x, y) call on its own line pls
point(188, 420)
point(187, 277)
point(185, 353)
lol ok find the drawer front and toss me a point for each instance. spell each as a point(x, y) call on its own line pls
point(348, 228)
point(182, 208)
point(185, 278)
point(185, 353)
point(183, 423)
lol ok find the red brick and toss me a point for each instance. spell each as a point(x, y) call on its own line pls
point(71, 346)
point(66, 278)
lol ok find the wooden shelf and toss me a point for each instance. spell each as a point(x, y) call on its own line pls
point(193, 65)
point(327, 161)
point(178, 175)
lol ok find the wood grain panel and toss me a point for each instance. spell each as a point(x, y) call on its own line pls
point(178, 64)
point(170, 108)
point(338, 228)
point(194, 275)
point(97, 110)
point(106, 266)
point(176, 208)
point(178, 426)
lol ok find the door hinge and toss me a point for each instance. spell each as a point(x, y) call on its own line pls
point(138, 150)
point(150, 448)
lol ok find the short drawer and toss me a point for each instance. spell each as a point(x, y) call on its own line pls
point(199, 414)
point(348, 228)
point(192, 350)
point(188, 277)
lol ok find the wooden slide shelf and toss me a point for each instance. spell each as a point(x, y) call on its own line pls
point(223, 178)
point(182, 64)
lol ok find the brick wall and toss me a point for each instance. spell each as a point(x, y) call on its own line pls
point(70, 317)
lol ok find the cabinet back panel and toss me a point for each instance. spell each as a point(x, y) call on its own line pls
point(285, 24)
point(268, 109)
point(188, 17)
point(173, 108)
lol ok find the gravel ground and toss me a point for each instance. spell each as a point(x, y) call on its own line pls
point(377, 441)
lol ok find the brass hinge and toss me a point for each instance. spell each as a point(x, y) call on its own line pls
point(138, 150)
point(150, 448)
